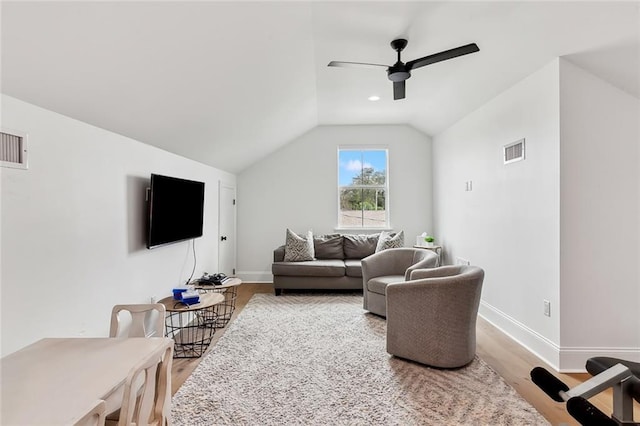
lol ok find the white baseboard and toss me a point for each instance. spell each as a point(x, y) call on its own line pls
point(533, 341)
point(255, 276)
point(562, 359)
point(572, 360)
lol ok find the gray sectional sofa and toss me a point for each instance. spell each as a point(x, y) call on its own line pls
point(337, 264)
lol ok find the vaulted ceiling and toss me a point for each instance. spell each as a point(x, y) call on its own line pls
point(226, 83)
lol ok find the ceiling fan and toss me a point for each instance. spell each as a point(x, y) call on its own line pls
point(400, 72)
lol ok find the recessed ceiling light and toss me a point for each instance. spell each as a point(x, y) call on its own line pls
point(374, 98)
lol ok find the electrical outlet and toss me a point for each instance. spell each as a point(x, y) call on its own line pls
point(547, 308)
point(462, 261)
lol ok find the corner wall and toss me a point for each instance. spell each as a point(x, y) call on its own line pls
point(562, 225)
point(73, 228)
point(508, 224)
point(599, 218)
point(296, 187)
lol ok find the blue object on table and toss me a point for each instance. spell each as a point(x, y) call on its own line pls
point(178, 291)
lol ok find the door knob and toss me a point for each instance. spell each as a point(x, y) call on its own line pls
point(223, 238)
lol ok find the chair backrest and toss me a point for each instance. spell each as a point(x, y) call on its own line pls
point(95, 417)
point(147, 391)
point(459, 287)
point(145, 320)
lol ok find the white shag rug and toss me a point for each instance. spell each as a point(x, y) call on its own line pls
point(321, 360)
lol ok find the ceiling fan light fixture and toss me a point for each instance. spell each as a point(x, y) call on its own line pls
point(399, 72)
point(399, 75)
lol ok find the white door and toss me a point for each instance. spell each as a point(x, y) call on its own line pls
point(227, 229)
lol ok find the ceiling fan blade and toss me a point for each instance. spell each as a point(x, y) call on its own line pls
point(443, 56)
point(398, 90)
point(354, 65)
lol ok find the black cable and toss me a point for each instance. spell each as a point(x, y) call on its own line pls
point(194, 260)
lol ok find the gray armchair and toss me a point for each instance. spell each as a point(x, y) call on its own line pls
point(390, 266)
point(431, 319)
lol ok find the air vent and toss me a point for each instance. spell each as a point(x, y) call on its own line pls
point(13, 149)
point(513, 152)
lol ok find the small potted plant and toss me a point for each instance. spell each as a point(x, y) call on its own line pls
point(428, 241)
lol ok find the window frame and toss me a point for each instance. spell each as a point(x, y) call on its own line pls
point(384, 187)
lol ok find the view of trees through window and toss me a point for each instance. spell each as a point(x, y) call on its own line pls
point(362, 182)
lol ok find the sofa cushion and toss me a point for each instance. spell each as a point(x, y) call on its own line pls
point(297, 248)
point(359, 246)
point(314, 268)
point(379, 284)
point(389, 240)
point(328, 246)
point(354, 267)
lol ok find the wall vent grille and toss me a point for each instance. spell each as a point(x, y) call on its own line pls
point(513, 152)
point(13, 149)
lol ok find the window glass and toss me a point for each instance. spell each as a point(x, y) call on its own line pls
point(362, 188)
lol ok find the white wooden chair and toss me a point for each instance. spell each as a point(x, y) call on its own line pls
point(146, 320)
point(139, 320)
point(147, 392)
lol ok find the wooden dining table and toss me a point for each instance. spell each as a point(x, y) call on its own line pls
point(55, 381)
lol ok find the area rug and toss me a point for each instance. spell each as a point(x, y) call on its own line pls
point(321, 360)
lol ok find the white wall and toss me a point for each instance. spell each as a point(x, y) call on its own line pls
point(73, 236)
point(296, 187)
point(509, 223)
point(561, 225)
point(599, 217)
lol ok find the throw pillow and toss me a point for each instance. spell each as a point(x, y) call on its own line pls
point(359, 246)
point(297, 248)
point(388, 240)
point(328, 246)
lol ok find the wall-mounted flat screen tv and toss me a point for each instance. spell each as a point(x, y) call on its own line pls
point(175, 210)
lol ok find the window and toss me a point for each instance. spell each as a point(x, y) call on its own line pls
point(363, 191)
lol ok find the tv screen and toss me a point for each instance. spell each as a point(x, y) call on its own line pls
point(176, 210)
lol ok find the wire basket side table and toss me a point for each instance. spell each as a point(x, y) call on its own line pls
point(191, 326)
point(223, 310)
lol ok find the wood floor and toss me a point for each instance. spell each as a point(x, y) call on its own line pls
point(504, 355)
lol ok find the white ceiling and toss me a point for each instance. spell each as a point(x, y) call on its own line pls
point(226, 83)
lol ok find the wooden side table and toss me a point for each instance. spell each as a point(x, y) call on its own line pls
point(434, 248)
point(225, 309)
point(191, 326)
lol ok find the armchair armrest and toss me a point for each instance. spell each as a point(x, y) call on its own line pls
point(443, 271)
point(429, 260)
